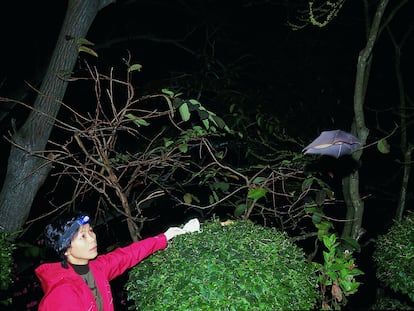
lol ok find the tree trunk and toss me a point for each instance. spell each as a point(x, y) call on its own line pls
point(350, 184)
point(406, 147)
point(25, 172)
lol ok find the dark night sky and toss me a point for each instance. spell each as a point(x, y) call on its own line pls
point(306, 76)
point(314, 67)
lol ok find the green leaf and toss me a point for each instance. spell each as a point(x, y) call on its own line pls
point(323, 229)
point(321, 196)
point(168, 142)
point(168, 92)
point(256, 193)
point(188, 198)
point(326, 241)
point(138, 121)
point(356, 272)
point(258, 180)
point(316, 218)
point(240, 209)
point(177, 102)
point(347, 286)
point(83, 41)
point(135, 67)
point(311, 208)
point(206, 123)
point(223, 186)
point(307, 183)
point(87, 50)
point(184, 112)
point(183, 148)
point(215, 196)
point(219, 122)
point(326, 256)
point(383, 146)
point(203, 114)
point(196, 103)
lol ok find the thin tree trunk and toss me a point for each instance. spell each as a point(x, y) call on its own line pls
point(25, 172)
point(406, 148)
point(350, 184)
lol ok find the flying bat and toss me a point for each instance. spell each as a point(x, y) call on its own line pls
point(335, 143)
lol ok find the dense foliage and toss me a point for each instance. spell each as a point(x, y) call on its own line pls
point(387, 303)
point(237, 266)
point(6, 262)
point(394, 255)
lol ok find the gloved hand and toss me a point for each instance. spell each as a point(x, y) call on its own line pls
point(191, 226)
point(173, 232)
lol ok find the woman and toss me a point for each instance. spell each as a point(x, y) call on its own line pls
point(81, 280)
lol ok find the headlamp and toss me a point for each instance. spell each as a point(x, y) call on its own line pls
point(67, 236)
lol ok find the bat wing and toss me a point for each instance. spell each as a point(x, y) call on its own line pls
point(335, 143)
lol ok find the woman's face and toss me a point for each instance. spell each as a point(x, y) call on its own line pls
point(83, 246)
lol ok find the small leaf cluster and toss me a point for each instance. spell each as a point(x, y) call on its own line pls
point(235, 265)
point(209, 119)
point(394, 255)
point(6, 259)
point(337, 272)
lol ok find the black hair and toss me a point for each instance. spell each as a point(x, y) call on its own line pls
point(61, 231)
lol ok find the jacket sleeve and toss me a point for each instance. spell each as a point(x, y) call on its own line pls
point(116, 262)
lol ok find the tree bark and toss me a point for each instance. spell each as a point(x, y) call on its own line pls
point(26, 172)
point(350, 184)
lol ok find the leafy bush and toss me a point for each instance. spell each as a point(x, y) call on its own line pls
point(239, 266)
point(337, 275)
point(388, 303)
point(6, 260)
point(394, 256)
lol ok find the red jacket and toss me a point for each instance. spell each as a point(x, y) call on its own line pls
point(65, 290)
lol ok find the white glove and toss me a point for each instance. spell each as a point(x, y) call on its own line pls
point(173, 232)
point(191, 226)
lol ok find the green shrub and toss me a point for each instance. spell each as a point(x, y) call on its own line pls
point(394, 255)
point(6, 260)
point(388, 303)
point(241, 266)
